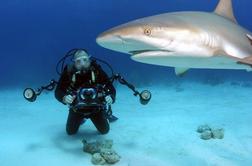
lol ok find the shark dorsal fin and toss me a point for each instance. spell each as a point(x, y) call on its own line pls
point(225, 9)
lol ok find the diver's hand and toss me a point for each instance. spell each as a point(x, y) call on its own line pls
point(68, 99)
point(109, 100)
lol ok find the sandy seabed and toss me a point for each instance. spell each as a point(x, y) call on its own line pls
point(162, 133)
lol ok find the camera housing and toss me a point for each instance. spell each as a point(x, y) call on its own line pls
point(89, 100)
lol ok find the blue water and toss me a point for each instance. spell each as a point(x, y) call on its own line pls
point(36, 34)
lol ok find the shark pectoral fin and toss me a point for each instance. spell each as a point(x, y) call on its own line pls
point(250, 38)
point(225, 9)
point(180, 71)
point(246, 61)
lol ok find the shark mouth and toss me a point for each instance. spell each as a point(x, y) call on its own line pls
point(138, 52)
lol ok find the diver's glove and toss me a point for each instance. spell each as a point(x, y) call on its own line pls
point(109, 100)
point(68, 99)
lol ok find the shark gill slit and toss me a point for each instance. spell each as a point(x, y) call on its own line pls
point(208, 40)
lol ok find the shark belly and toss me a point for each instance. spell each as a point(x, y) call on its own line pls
point(213, 62)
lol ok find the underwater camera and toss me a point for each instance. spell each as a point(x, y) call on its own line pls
point(86, 96)
point(90, 100)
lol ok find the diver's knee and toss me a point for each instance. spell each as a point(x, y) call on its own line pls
point(104, 131)
point(70, 131)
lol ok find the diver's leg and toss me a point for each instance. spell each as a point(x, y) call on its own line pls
point(111, 118)
point(100, 121)
point(109, 115)
point(73, 122)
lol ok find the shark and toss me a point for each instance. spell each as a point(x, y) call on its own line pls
point(184, 40)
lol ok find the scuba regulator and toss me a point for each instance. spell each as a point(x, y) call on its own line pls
point(31, 94)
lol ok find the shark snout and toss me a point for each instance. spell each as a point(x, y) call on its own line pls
point(107, 40)
point(127, 38)
point(120, 38)
point(113, 40)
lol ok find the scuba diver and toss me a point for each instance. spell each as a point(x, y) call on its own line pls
point(87, 90)
point(85, 74)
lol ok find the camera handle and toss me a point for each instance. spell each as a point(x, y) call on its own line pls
point(48, 87)
point(31, 94)
point(145, 95)
point(124, 82)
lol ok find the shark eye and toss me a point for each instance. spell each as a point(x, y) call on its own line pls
point(147, 31)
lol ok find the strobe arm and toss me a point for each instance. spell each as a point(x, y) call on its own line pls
point(31, 94)
point(144, 96)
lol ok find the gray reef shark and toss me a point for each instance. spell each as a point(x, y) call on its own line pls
point(212, 40)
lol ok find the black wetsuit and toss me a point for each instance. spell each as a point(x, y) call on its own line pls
point(84, 79)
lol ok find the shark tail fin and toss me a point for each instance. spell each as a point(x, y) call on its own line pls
point(225, 9)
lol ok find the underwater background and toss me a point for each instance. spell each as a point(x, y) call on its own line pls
point(36, 34)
